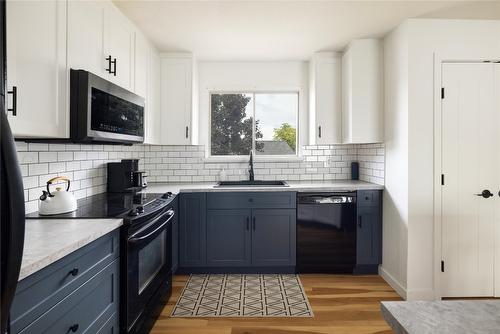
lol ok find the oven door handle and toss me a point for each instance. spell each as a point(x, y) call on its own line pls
point(134, 238)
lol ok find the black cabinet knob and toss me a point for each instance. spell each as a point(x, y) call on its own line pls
point(140, 209)
point(485, 194)
point(74, 328)
point(73, 272)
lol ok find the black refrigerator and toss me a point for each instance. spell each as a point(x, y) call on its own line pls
point(11, 198)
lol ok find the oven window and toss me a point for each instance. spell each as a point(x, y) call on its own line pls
point(151, 260)
point(116, 115)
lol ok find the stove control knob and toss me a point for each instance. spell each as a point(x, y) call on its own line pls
point(140, 209)
point(167, 195)
point(133, 213)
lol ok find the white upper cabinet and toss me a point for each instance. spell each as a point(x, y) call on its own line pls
point(153, 110)
point(36, 75)
point(141, 67)
point(101, 41)
point(86, 36)
point(325, 122)
point(119, 38)
point(362, 89)
point(177, 81)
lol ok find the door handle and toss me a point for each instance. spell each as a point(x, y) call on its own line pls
point(108, 58)
point(14, 100)
point(187, 131)
point(486, 194)
point(110, 69)
point(319, 131)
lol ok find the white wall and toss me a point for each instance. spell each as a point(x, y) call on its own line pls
point(424, 39)
point(395, 210)
point(252, 76)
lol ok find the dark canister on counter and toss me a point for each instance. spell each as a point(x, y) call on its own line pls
point(354, 170)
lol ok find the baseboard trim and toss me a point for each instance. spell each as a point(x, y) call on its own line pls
point(393, 282)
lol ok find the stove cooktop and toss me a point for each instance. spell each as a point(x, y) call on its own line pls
point(111, 205)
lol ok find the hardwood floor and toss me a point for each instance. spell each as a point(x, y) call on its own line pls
point(341, 305)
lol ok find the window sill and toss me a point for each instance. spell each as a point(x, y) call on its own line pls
point(278, 158)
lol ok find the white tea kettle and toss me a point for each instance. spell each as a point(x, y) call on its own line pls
point(53, 203)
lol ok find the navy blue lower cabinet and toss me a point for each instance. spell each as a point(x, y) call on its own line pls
point(229, 238)
point(273, 237)
point(192, 229)
point(369, 232)
point(86, 310)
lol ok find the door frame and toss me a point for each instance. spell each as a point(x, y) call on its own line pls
point(439, 60)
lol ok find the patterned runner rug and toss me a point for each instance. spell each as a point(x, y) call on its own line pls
point(232, 295)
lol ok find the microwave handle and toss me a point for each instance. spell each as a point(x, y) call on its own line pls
point(136, 238)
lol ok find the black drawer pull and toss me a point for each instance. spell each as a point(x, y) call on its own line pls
point(114, 68)
point(14, 100)
point(74, 328)
point(187, 131)
point(319, 131)
point(73, 272)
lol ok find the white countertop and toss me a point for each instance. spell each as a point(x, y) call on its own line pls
point(48, 240)
point(305, 186)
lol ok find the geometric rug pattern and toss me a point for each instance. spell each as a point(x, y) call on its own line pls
point(236, 295)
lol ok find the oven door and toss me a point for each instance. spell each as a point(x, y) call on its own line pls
point(149, 263)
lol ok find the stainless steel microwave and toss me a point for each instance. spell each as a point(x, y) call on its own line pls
point(101, 111)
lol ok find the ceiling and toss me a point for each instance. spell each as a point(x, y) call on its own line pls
point(281, 30)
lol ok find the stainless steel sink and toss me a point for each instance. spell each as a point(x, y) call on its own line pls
point(254, 183)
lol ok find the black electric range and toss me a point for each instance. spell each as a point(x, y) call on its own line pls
point(145, 251)
point(114, 205)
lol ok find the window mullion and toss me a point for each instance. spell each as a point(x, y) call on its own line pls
point(254, 124)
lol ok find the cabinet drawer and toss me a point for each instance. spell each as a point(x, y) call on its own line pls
point(86, 310)
point(37, 293)
point(369, 197)
point(250, 200)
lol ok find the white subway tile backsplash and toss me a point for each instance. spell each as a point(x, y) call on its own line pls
point(85, 165)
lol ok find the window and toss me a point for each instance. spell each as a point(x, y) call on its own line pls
point(265, 123)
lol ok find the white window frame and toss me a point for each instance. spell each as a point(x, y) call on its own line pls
point(256, 156)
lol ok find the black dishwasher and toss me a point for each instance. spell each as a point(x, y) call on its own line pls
point(326, 232)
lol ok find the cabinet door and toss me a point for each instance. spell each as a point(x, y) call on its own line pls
point(192, 230)
point(228, 238)
point(273, 237)
point(36, 57)
point(141, 68)
point(176, 100)
point(153, 113)
point(362, 107)
point(119, 44)
point(86, 37)
point(369, 236)
point(326, 104)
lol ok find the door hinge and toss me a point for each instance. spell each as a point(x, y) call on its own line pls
point(442, 179)
point(442, 266)
point(442, 92)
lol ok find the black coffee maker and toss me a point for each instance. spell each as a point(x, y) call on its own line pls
point(125, 176)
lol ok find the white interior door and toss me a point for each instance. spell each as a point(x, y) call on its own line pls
point(470, 165)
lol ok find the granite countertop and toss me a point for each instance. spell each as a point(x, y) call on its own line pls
point(443, 317)
point(48, 240)
point(304, 186)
